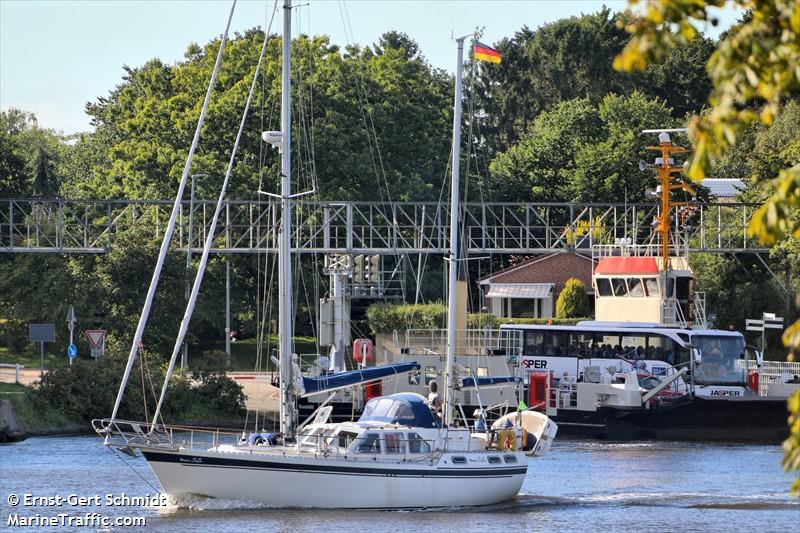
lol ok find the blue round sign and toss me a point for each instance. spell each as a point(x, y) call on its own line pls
point(72, 351)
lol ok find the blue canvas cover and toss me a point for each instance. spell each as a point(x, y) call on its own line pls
point(354, 377)
point(405, 409)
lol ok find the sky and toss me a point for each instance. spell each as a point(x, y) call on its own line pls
point(55, 56)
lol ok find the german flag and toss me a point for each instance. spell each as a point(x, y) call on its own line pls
point(485, 53)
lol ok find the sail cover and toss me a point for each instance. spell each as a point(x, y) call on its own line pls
point(354, 377)
point(489, 381)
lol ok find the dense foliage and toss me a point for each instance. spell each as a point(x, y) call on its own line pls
point(86, 390)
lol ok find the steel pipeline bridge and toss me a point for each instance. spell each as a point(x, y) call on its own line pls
point(91, 226)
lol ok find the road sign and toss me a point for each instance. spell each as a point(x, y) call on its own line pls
point(754, 325)
point(72, 351)
point(71, 317)
point(42, 332)
point(97, 338)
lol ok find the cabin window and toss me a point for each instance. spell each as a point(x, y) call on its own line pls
point(493, 459)
point(651, 286)
point(619, 286)
point(394, 443)
point(510, 458)
point(346, 438)
point(635, 287)
point(370, 443)
point(534, 343)
point(459, 460)
point(482, 371)
point(430, 374)
point(417, 444)
point(583, 344)
point(604, 287)
point(556, 343)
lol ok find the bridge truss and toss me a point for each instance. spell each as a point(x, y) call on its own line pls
point(92, 226)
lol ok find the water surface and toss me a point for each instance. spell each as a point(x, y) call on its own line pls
point(579, 486)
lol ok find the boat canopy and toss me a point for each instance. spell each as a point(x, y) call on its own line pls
point(354, 377)
point(489, 381)
point(405, 408)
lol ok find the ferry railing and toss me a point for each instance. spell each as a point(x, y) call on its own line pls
point(475, 342)
point(772, 372)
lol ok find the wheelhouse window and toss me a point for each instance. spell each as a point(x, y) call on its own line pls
point(651, 286)
point(604, 287)
point(619, 287)
point(635, 287)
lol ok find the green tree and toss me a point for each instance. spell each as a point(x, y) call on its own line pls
point(29, 156)
point(383, 106)
point(539, 167)
point(572, 58)
point(755, 68)
point(580, 151)
point(573, 302)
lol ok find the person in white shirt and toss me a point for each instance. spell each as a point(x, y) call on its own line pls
point(435, 401)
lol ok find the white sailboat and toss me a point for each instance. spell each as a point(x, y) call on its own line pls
point(396, 456)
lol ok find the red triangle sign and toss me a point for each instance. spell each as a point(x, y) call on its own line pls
point(96, 337)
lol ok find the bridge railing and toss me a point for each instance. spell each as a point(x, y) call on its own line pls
point(92, 226)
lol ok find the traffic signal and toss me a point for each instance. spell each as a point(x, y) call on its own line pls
point(99, 318)
point(374, 274)
point(358, 269)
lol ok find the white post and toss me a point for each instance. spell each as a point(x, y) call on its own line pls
point(151, 291)
point(16, 373)
point(285, 318)
point(449, 382)
point(228, 306)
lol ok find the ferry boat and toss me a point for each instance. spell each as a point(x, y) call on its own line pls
point(648, 367)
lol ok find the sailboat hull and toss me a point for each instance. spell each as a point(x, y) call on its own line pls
point(307, 481)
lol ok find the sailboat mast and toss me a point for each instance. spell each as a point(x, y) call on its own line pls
point(452, 291)
point(285, 319)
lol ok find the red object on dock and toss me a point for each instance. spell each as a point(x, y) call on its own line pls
point(373, 390)
point(537, 389)
point(752, 381)
point(363, 351)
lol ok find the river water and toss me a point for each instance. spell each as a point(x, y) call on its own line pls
point(579, 486)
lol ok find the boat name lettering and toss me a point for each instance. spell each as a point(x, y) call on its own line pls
point(193, 460)
point(719, 392)
point(538, 364)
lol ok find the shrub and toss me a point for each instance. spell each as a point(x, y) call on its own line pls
point(573, 300)
point(385, 318)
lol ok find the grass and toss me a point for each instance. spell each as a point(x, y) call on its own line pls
point(31, 418)
point(244, 352)
point(7, 389)
point(32, 360)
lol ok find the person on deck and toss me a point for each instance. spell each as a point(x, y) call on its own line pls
point(435, 402)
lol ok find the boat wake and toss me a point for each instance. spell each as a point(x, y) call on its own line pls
point(196, 502)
